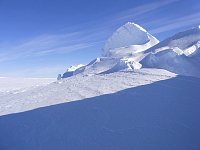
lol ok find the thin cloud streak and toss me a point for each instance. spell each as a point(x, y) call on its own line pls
point(142, 9)
point(177, 23)
point(135, 13)
point(48, 44)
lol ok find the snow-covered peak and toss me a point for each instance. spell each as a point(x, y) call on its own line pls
point(131, 47)
point(131, 24)
point(130, 34)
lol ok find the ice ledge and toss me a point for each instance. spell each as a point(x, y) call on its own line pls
point(134, 24)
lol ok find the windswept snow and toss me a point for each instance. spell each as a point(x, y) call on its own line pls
point(122, 52)
point(73, 68)
point(163, 115)
point(127, 40)
point(70, 71)
point(97, 66)
point(77, 88)
point(179, 54)
point(132, 47)
point(107, 64)
point(182, 40)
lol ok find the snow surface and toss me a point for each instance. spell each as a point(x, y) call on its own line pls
point(127, 40)
point(77, 88)
point(70, 71)
point(179, 54)
point(182, 40)
point(108, 65)
point(163, 115)
point(73, 68)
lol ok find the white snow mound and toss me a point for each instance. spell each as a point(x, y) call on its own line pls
point(73, 68)
point(179, 53)
point(70, 71)
point(132, 47)
point(128, 40)
point(105, 65)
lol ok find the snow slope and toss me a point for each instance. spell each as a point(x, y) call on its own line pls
point(179, 53)
point(128, 40)
point(132, 47)
point(77, 88)
point(182, 40)
point(163, 115)
point(122, 51)
point(70, 71)
point(103, 65)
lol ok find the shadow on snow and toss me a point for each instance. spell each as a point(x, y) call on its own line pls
point(160, 116)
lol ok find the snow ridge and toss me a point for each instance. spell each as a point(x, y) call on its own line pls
point(127, 39)
point(132, 47)
point(179, 54)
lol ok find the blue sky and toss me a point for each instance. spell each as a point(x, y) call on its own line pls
point(41, 38)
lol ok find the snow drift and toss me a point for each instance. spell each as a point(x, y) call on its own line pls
point(157, 116)
point(77, 88)
point(122, 51)
point(179, 54)
point(128, 40)
point(70, 71)
point(108, 65)
point(132, 47)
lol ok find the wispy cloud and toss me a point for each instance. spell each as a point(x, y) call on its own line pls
point(146, 14)
point(48, 44)
point(143, 9)
point(176, 23)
